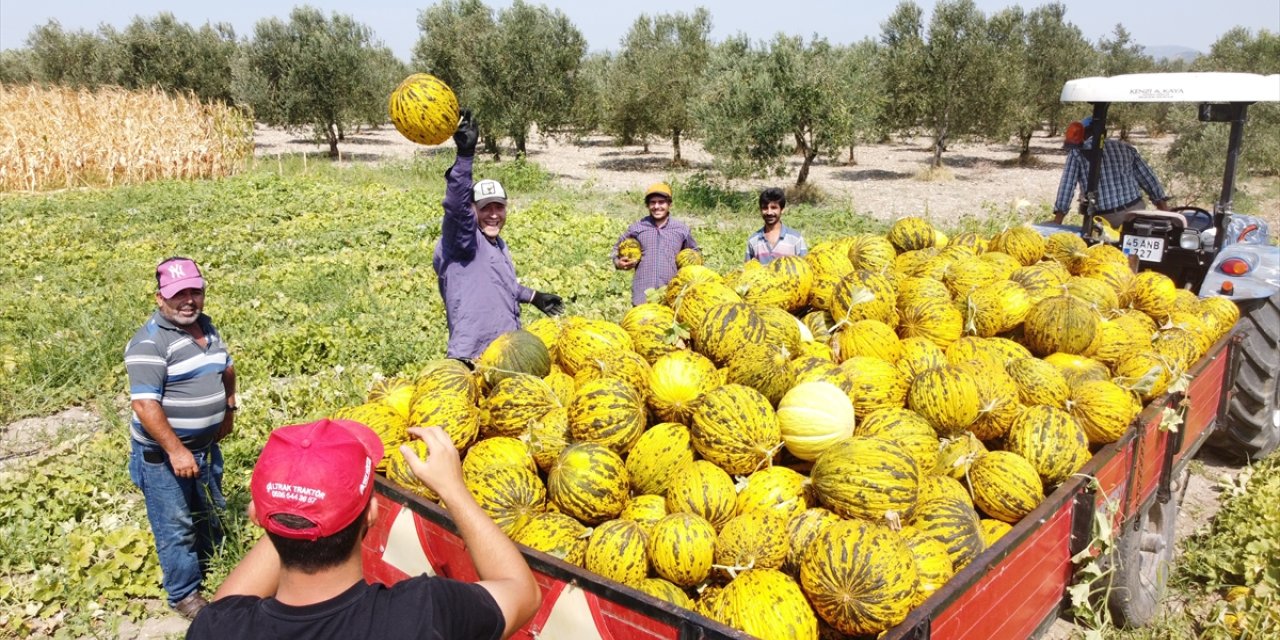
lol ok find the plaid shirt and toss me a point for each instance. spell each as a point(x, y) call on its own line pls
point(659, 246)
point(1123, 173)
point(790, 243)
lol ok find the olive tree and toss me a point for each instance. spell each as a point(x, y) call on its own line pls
point(764, 103)
point(944, 75)
point(317, 72)
point(654, 82)
point(74, 59)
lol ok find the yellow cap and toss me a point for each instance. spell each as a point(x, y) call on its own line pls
point(658, 189)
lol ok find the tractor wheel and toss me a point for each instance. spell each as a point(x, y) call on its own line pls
point(1251, 428)
point(1142, 560)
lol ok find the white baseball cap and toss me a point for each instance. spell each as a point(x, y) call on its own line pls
point(487, 191)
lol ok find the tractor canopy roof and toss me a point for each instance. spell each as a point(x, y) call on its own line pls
point(1175, 87)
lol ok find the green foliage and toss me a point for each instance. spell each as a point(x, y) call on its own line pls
point(172, 55)
point(1240, 556)
point(1200, 152)
point(325, 73)
point(71, 542)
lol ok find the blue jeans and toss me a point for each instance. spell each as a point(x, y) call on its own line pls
point(185, 515)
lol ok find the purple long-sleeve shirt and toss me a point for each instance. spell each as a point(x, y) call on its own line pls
point(476, 276)
point(658, 246)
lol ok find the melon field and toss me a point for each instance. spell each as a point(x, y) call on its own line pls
point(320, 279)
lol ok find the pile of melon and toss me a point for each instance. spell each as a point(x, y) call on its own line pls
point(835, 435)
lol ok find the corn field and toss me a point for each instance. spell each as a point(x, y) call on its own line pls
point(56, 138)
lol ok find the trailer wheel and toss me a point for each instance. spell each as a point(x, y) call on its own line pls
point(1250, 429)
point(1142, 559)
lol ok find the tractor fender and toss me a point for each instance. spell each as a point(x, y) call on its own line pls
point(1262, 280)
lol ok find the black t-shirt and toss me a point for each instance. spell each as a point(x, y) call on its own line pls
point(421, 607)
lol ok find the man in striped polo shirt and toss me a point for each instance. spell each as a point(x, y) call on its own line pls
point(661, 237)
point(774, 239)
point(182, 386)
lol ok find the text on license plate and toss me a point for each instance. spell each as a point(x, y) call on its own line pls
point(1147, 249)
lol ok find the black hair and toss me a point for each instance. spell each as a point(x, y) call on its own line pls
point(312, 556)
point(773, 194)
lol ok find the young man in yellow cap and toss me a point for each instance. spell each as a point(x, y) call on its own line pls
point(661, 237)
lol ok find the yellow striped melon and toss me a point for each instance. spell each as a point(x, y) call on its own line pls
point(653, 330)
point(947, 397)
point(776, 490)
point(867, 338)
point(1005, 485)
point(589, 482)
point(787, 616)
point(609, 412)
point(507, 493)
point(933, 563)
point(663, 589)
point(665, 446)
point(616, 551)
point(868, 478)
point(1061, 323)
point(934, 319)
point(911, 234)
point(1103, 409)
point(753, 539)
point(424, 109)
point(702, 488)
point(555, 534)
point(1051, 440)
point(905, 428)
point(681, 548)
point(736, 428)
point(860, 577)
point(955, 524)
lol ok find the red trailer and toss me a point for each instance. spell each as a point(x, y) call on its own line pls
point(1015, 589)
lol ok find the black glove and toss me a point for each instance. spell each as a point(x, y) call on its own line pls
point(548, 303)
point(466, 135)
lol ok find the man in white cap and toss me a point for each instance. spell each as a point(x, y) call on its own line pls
point(473, 267)
point(182, 385)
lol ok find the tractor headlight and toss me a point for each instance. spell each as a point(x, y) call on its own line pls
point(1190, 240)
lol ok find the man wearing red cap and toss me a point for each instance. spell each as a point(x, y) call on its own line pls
point(661, 237)
point(1123, 177)
point(182, 386)
point(313, 493)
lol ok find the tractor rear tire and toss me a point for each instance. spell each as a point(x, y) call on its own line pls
point(1143, 559)
point(1250, 430)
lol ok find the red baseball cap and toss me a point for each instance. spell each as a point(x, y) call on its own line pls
point(321, 471)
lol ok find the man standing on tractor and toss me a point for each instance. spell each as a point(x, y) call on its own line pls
point(474, 270)
point(1123, 178)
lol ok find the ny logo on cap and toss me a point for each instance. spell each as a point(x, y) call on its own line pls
point(176, 271)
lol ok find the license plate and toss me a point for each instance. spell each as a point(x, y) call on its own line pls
point(1147, 249)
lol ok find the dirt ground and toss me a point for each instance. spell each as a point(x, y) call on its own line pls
point(885, 182)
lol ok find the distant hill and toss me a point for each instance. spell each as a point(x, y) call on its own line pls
point(1172, 52)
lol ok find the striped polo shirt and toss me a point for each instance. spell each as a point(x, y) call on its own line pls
point(658, 248)
point(790, 243)
point(166, 364)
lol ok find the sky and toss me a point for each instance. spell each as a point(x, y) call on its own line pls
point(1195, 24)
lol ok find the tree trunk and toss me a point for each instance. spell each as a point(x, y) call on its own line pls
point(809, 155)
point(646, 144)
point(676, 160)
point(491, 146)
point(939, 145)
point(1024, 154)
point(342, 133)
point(520, 146)
point(331, 133)
point(853, 160)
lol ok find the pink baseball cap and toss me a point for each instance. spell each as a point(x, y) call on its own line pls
point(321, 471)
point(175, 274)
